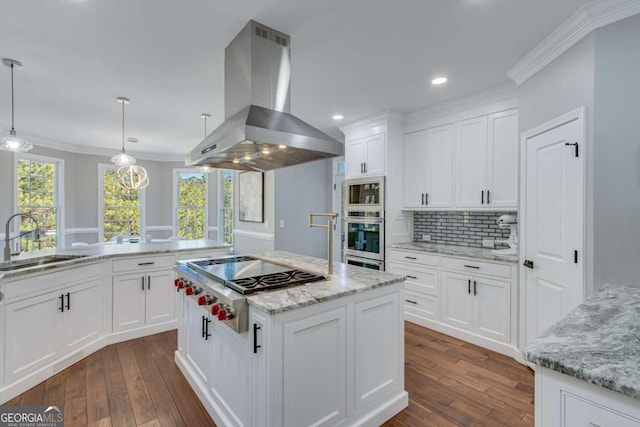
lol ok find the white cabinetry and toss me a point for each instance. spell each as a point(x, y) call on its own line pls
point(365, 156)
point(428, 165)
point(471, 152)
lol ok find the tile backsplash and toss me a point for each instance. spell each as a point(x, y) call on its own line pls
point(459, 228)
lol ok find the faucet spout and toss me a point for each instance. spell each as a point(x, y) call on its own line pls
point(7, 234)
point(329, 226)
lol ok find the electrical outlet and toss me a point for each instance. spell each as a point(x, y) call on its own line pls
point(282, 223)
point(488, 243)
point(426, 237)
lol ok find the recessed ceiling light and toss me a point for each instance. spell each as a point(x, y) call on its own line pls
point(439, 81)
point(338, 117)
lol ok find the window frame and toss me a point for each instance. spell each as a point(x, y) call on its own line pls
point(220, 235)
point(59, 191)
point(143, 205)
point(176, 173)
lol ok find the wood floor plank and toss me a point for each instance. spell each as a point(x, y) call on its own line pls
point(120, 410)
point(97, 399)
point(141, 404)
point(33, 396)
point(75, 412)
point(104, 422)
point(54, 389)
point(76, 382)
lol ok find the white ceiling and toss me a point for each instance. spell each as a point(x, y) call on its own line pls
point(356, 57)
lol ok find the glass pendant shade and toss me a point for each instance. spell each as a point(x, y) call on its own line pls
point(123, 159)
point(15, 143)
point(133, 177)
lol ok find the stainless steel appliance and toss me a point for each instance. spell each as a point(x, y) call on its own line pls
point(365, 236)
point(365, 194)
point(221, 284)
point(364, 262)
point(258, 133)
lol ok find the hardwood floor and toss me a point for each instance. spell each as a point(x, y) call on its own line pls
point(136, 383)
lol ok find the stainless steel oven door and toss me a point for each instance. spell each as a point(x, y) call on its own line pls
point(364, 238)
point(365, 263)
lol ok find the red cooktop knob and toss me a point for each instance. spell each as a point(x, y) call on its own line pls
point(189, 290)
point(178, 283)
point(222, 314)
point(202, 300)
point(181, 284)
point(215, 309)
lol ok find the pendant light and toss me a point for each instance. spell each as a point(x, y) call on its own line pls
point(133, 177)
point(13, 142)
point(123, 159)
point(205, 169)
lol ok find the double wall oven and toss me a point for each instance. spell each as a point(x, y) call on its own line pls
point(364, 222)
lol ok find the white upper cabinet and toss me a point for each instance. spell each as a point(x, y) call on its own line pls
point(502, 160)
point(471, 154)
point(365, 156)
point(428, 165)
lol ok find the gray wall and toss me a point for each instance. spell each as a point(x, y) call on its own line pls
point(565, 85)
point(300, 190)
point(616, 153)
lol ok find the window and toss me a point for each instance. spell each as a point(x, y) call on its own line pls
point(121, 210)
point(190, 203)
point(39, 193)
point(226, 207)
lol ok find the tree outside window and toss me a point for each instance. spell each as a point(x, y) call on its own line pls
point(191, 204)
point(121, 207)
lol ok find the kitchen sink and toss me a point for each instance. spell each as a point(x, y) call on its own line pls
point(36, 262)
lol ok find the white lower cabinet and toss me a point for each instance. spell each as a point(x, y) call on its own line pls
point(457, 304)
point(81, 321)
point(197, 349)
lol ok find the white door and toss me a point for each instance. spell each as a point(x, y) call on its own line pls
point(491, 308)
point(338, 197)
point(439, 167)
point(502, 160)
point(414, 184)
point(128, 302)
point(160, 297)
point(457, 301)
point(471, 149)
point(82, 319)
point(374, 162)
point(354, 152)
point(553, 224)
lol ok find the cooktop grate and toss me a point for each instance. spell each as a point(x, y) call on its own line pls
point(272, 281)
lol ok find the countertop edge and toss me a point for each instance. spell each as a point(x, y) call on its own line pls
point(459, 251)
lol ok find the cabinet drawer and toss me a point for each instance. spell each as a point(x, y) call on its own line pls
point(580, 412)
point(414, 257)
point(136, 264)
point(421, 305)
point(476, 267)
point(419, 279)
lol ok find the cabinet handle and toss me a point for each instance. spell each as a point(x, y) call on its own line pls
point(256, 328)
point(203, 319)
point(146, 263)
point(61, 298)
point(142, 283)
point(68, 307)
point(475, 287)
point(488, 197)
point(410, 257)
point(412, 277)
point(361, 168)
point(422, 199)
point(426, 199)
point(469, 287)
point(411, 302)
point(482, 200)
point(148, 282)
point(206, 326)
point(472, 266)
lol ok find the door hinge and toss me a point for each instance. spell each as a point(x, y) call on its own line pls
point(575, 257)
point(574, 144)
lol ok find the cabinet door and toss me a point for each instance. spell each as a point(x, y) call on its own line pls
point(81, 322)
point(376, 321)
point(315, 353)
point(471, 148)
point(260, 396)
point(439, 167)
point(502, 160)
point(457, 303)
point(414, 170)
point(491, 311)
point(128, 302)
point(160, 297)
point(197, 348)
point(354, 157)
point(374, 162)
point(31, 334)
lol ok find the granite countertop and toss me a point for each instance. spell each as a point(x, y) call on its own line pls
point(88, 254)
point(598, 342)
point(464, 251)
point(346, 280)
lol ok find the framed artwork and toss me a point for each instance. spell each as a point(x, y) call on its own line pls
point(251, 196)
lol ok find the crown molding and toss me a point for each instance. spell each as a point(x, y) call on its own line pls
point(588, 18)
point(366, 123)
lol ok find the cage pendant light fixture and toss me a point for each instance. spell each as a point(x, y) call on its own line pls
point(123, 159)
point(205, 169)
point(13, 142)
point(133, 177)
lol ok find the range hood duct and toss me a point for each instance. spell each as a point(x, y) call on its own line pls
point(258, 133)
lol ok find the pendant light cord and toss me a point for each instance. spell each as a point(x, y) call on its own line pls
point(123, 125)
point(205, 127)
point(12, 107)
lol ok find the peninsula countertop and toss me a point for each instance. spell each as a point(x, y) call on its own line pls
point(598, 342)
point(463, 251)
point(346, 280)
point(93, 253)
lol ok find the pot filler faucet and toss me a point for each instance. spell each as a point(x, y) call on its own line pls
point(329, 226)
point(8, 238)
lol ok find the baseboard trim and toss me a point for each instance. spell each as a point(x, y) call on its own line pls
point(388, 410)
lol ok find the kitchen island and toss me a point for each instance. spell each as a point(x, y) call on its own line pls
point(588, 364)
point(323, 353)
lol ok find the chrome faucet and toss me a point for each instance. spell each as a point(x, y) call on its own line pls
point(8, 238)
point(329, 226)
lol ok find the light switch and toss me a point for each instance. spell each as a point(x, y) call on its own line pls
point(282, 223)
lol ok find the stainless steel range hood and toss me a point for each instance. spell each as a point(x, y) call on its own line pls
point(258, 133)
